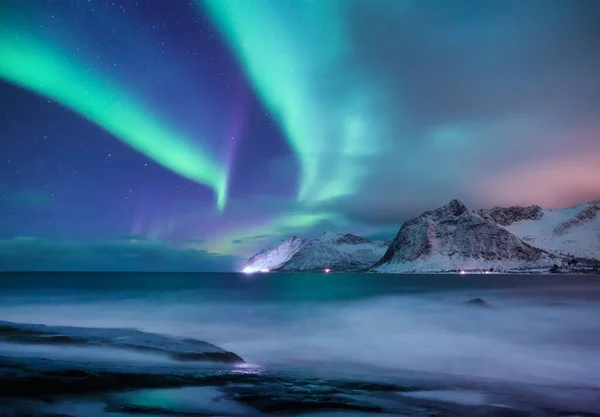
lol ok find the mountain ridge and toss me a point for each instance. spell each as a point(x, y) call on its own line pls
point(571, 231)
point(332, 251)
point(453, 237)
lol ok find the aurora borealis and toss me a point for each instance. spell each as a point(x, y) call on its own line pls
point(38, 67)
point(220, 127)
point(290, 58)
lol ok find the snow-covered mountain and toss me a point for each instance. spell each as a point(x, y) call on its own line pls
point(273, 258)
point(573, 231)
point(453, 237)
point(337, 252)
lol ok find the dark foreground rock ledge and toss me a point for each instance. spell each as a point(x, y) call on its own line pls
point(33, 387)
point(180, 349)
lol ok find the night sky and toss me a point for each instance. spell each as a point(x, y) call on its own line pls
point(186, 135)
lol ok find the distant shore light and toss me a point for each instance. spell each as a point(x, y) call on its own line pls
point(327, 270)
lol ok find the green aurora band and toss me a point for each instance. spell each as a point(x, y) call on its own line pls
point(281, 226)
point(296, 53)
point(41, 68)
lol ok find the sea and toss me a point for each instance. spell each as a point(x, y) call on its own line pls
point(324, 344)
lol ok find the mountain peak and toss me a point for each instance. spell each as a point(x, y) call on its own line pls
point(329, 235)
point(455, 207)
point(342, 238)
point(452, 237)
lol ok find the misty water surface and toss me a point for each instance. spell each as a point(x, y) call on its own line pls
point(537, 328)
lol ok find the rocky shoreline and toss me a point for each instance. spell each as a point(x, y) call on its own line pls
point(42, 385)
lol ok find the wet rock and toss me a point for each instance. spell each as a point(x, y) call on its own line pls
point(479, 302)
point(159, 411)
point(223, 390)
point(180, 349)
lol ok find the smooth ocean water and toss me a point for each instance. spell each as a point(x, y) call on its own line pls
point(540, 329)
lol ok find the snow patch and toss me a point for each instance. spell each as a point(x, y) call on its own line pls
point(580, 239)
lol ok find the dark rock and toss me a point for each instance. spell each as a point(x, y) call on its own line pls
point(262, 392)
point(480, 302)
point(505, 216)
point(153, 410)
point(265, 392)
point(177, 348)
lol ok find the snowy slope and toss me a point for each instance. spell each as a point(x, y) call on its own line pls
point(573, 231)
point(335, 251)
point(273, 258)
point(453, 237)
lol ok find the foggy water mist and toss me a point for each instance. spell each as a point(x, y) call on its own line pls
point(536, 329)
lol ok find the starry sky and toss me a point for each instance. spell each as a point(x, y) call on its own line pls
point(188, 134)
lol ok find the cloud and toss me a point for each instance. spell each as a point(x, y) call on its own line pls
point(131, 236)
point(384, 234)
point(33, 254)
point(250, 239)
point(555, 182)
point(469, 88)
point(193, 241)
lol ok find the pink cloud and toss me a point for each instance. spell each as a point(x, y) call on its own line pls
point(559, 181)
